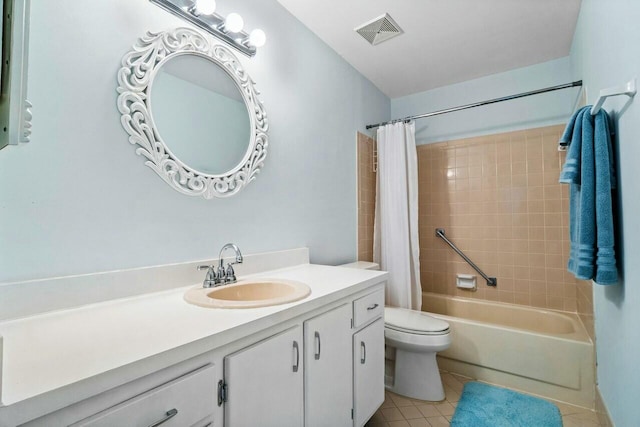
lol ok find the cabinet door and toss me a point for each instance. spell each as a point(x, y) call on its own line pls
point(328, 370)
point(368, 370)
point(265, 383)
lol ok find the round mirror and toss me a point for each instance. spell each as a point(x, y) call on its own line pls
point(193, 113)
point(200, 114)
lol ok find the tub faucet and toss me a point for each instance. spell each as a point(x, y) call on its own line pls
point(228, 275)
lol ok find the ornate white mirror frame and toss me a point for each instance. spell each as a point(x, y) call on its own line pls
point(135, 78)
point(15, 109)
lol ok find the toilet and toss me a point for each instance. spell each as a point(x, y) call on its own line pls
point(412, 340)
point(415, 338)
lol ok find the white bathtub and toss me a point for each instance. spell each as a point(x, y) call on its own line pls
point(538, 351)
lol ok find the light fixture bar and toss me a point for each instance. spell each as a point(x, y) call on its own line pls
point(209, 23)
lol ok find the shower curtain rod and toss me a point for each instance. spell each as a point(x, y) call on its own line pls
point(479, 104)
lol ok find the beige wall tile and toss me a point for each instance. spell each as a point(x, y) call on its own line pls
point(499, 199)
point(367, 193)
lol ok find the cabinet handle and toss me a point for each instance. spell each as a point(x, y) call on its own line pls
point(363, 352)
point(297, 350)
point(372, 307)
point(317, 336)
point(222, 392)
point(170, 414)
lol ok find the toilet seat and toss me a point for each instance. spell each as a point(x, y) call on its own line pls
point(413, 322)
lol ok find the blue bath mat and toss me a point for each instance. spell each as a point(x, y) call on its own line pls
point(483, 405)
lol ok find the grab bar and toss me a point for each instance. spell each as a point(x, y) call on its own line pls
point(491, 281)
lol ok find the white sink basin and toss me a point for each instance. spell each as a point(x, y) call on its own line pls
point(248, 294)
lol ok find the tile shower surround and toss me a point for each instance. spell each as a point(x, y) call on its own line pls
point(499, 200)
point(366, 197)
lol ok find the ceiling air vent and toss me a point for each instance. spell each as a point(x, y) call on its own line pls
point(379, 29)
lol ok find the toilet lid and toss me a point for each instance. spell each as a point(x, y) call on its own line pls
point(412, 321)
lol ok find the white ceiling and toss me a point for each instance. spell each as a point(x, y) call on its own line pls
point(445, 41)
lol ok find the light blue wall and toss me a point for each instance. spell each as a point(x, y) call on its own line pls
point(605, 53)
point(540, 110)
point(77, 199)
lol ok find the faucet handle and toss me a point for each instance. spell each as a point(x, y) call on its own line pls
point(211, 279)
point(230, 274)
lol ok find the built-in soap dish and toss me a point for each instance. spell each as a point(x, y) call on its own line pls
point(466, 281)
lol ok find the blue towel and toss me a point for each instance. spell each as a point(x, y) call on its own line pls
point(588, 170)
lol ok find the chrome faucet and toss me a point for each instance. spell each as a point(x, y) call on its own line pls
point(228, 275)
point(222, 276)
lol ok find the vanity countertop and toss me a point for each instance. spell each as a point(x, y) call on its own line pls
point(45, 352)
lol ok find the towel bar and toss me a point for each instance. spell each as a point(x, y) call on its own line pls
point(628, 89)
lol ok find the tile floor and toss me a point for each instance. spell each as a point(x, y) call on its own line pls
point(398, 411)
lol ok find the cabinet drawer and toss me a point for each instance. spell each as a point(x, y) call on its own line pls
point(191, 397)
point(368, 308)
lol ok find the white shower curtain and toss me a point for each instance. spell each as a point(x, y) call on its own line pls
point(396, 245)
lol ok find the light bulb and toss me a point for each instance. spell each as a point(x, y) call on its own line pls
point(257, 38)
point(205, 7)
point(233, 22)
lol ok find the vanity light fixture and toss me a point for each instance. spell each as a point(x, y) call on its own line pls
point(205, 7)
point(233, 23)
point(201, 13)
point(257, 38)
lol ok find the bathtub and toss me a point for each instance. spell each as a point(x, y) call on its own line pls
point(543, 352)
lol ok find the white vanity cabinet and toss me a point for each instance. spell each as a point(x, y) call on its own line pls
point(264, 383)
point(302, 366)
point(328, 370)
point(323, 372)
